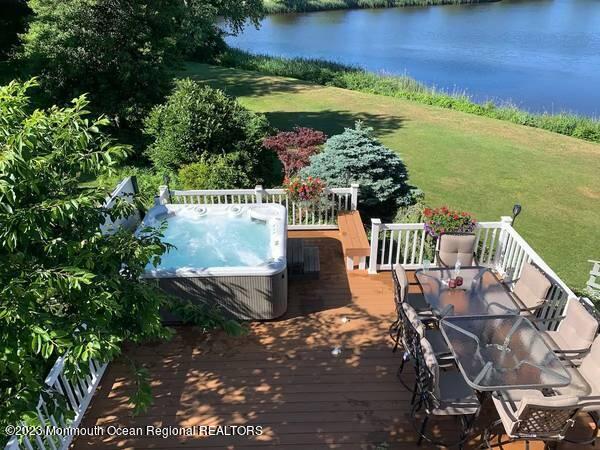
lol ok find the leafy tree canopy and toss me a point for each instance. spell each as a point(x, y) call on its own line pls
point(66, 289)
point(121, 52)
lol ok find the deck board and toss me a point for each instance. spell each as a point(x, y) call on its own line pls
point(282, 375)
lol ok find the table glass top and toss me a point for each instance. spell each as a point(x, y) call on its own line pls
point(502, 352)
point(480, 294)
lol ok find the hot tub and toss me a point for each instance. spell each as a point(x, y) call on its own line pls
point(231, 255)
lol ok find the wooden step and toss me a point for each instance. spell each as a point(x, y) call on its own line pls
point(312, 265)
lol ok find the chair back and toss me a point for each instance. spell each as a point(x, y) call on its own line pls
point(457, 247)
point(428, 374)
point(532, 287)
point(590, 364)
point(545, 417)
point(400, 286)
point(578, 325)
point(412, 329)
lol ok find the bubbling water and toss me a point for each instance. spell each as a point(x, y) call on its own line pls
point(219, 240)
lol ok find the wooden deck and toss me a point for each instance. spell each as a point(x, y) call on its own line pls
point(282, 376)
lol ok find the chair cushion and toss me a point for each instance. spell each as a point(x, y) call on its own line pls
point(402, 280)
point(532, 287)
point(556, 341)
point(457, 247)
point(577, 330)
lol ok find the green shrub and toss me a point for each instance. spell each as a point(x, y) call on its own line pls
point(197, 122)
point(355, 156)
point(413, 213)
point(354, 78)
point(216, 172)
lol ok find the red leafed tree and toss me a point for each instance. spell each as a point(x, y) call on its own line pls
point(294, 148)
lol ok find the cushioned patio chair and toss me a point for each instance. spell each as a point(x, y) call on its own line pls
point(401, 295)
point(442, 394)
point(585, 385)
point(531, 289)
point(453, 247)
point(575, 333)
point(533, 417)
point(413, 330)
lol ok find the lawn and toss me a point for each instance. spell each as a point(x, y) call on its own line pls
point(474, 163)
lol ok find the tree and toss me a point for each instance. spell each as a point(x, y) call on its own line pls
point(121, 52)
point(117, 51)
point(66, 289)
point(294, 148)
point(202, 36)
point(355, 156)
point(197, 122)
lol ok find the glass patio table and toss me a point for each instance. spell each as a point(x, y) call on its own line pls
point(503, 352)
point(481, 293)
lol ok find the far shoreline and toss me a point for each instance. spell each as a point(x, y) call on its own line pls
point(273, 7)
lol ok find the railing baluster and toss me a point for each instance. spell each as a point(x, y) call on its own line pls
point(422, 249)
point(383, 245)
point(406, 247)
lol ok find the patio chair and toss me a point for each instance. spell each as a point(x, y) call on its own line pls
point(400, 296)
point(413, 331)
point(586, 385)
point(456, 247)
point(575, 333)
point(531, 289)
point(533, 417)
point(442, 394)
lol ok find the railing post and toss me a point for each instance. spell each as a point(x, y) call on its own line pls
point(354, 197)
point(258, 192)
point(501, 248)
point(375, 228)
point(164, 196)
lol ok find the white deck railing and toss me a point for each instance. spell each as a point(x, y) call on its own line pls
point(78, 394)
point(338, 199)
point(126, 189)
point(499, 246)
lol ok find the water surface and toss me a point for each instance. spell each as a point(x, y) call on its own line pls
point(542, 55)
point(214, 241)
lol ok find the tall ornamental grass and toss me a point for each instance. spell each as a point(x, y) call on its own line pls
point(357, 79)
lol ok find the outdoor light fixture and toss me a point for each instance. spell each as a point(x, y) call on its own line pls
point(515, 212)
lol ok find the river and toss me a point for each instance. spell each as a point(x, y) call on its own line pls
point(541, 55)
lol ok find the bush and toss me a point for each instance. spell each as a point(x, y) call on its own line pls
point(355, 156)
point(197, 122)
point(411, 213)
point(216, 172)
point(294, 148)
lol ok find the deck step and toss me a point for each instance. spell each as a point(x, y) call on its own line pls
point(295, 256)
point(312, 264)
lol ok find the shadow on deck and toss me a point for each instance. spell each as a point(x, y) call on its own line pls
point(282, 376)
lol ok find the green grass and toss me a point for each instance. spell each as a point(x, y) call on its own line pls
point(288, 6)
point(348, 77)
point(474, 163)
